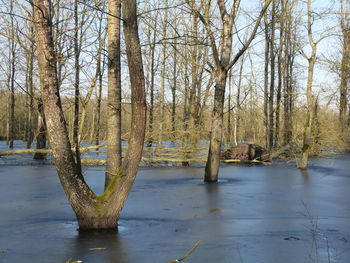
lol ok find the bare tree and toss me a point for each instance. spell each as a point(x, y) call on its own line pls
point(345, 62)
point(309, 97)
point(222, 64)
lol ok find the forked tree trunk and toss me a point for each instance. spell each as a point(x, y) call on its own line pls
point(93, 212)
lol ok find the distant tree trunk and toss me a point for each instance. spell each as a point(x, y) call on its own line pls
point(100, 70)
point(238, 101)
point(229, 109)
point(30, 94)
point(195, 80)
point(162, 78)
point(173, 92)
point(11, 83)
point(85, 101)
point(153, 72)
point(41, 131)
point(186, 113)
point(289, 55)
point(345, 63)
point(266, 81)
point(98, 107)
point(272, 79)
point(114, 149)
point(309, 101)
point(76, 138)
point(280, 63)
point(30, 86)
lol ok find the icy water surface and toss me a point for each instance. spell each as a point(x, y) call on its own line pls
point(267, 214)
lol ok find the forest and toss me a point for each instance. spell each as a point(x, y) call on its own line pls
point(267, 84)
point(118, 84)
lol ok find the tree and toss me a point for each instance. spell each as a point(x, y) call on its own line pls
point(307, 140)
point(11, 82)
point(92, 211)
point(345, 62)
point(222, 64)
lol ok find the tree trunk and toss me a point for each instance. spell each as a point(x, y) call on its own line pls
point(213, 162)
point(266, 81)
point(345, 64)
point(309, 101)
point(79, 194)
point(30, 90)
point(173, 92)
point(229, 109)
point(41, 131)
point(114, 149)
point(76, 139)
point(162, 78)
point(98, 107)
point(99, 79)
point(308, 124)
point(280, 74)
point(122, 184)
point(238, 101)
point(223, 63)
point(11, 83)
point(272, 79)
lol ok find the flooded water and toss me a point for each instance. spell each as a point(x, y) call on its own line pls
point(266, 214)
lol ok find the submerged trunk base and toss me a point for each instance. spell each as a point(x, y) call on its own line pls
point(98, 223)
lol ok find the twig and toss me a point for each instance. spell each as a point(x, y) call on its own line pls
point(187, 255)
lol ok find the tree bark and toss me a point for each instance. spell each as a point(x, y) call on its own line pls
point(79, 194)
point(266, 81)
point(153, 72)
point(11, 83)
point(173, 92)
point(280, 64)
point(213, 162)
point(345, 64)
point(41, 131)
point(30, 90)
point(272, 79)
point(76, 139)
point(114, 149)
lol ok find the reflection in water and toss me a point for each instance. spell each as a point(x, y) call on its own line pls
point(305, 174)
point(105, 246)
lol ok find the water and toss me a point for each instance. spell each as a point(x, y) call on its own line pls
point(254, 214)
